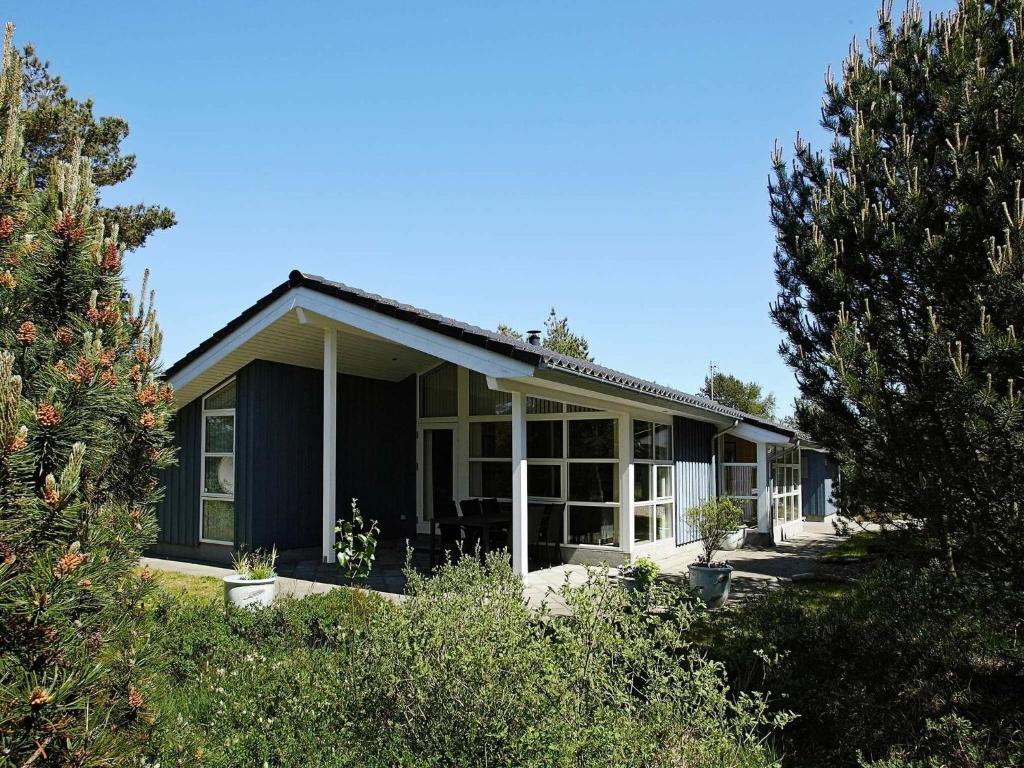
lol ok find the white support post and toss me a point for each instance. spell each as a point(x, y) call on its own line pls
point(626, 521)
point(330, 474)
point(520, 545)
point(764, 504)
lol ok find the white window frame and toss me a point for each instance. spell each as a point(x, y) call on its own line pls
point(650, 465)
point(203, 495)
point(724, 465)
point(788, 497)
point(462, 425)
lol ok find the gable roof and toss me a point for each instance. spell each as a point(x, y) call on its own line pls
point(532, 354)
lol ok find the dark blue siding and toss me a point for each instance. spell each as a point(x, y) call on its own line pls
point(279, 455)
point(695, 477)
point(377, 453)
point(178, 512)
point(279, 459)
point(818, 481)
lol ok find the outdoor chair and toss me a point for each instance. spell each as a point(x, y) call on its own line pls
point(499, 536)
point(471, 508)
point(450, 534)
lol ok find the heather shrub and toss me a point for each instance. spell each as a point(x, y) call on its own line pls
point(910, 667)
point(460, 673)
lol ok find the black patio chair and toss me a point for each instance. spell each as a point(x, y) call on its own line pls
point(499, 534)
point(471, 508)
point(450, 534)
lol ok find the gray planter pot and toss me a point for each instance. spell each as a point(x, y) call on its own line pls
point(713, 583)
point(249, 593)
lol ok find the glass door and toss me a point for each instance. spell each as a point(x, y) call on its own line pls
point(438, 470)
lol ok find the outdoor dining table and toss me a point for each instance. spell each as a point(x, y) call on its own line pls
point(485, 523)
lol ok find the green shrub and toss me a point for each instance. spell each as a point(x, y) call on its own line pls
point(910, 666)
point(460, 673)
point(712, 520)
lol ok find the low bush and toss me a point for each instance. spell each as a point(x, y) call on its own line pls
point(910, 667)
point(460, 673)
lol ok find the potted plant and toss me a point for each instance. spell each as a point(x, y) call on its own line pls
point(254, 582)
point(713, 520)
point(639, 577)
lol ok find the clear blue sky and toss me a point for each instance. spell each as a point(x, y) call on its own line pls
point(482, 160)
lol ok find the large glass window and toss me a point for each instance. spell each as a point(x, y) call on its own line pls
point(653, 475)
point(439, 392)
point(786, 476)
point(484, 401)
point(593, 525)
point(593, 439)
point(490, 440)
point(544, 439)
point(490, 454)
point(593, 482)
point(217, 492)
point(739, 475)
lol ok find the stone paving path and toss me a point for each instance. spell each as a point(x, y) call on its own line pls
point(757, 569)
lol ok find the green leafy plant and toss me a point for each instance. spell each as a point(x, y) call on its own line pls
point(255, 565)
point(356, 547)
point(643, 571)
point(713, 520)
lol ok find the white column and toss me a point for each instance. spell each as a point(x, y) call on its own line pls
point(520, 551)
point(764, 506)
point(330, 475)
point(462, 436)
point(626, 484)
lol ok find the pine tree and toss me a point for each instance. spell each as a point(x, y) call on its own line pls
point(743, 395)
point(901, 273)
point(82, 429)
point(558, 336)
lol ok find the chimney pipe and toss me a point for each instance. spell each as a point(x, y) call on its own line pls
point(533, 337)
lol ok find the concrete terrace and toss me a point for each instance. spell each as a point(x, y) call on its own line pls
point(757, 569)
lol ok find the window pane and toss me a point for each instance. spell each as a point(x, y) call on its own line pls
point(643, 440)
point(739, 481)
point(570, 408)
point(663, 442)
point(222, 398)
point(218, 520)
point(642, 482)
point(538, 405)
point(544, 439)
point(439, 392)
point(490, 439)
point(220, 434)
point(593, 482)
point(749, 507)
point(491, 478)
point(664, 482)
point(663, 521)
point(594, 525)
point(593, 439)
point(219, 474)
point(642, 524)
point(484, 401)
point(544, 480)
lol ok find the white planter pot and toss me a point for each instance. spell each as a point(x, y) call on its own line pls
point(733, 541)
point(713, 583)
point(249, 593)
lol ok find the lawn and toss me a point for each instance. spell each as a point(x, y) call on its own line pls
point(186, 587)
point(860, 544)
